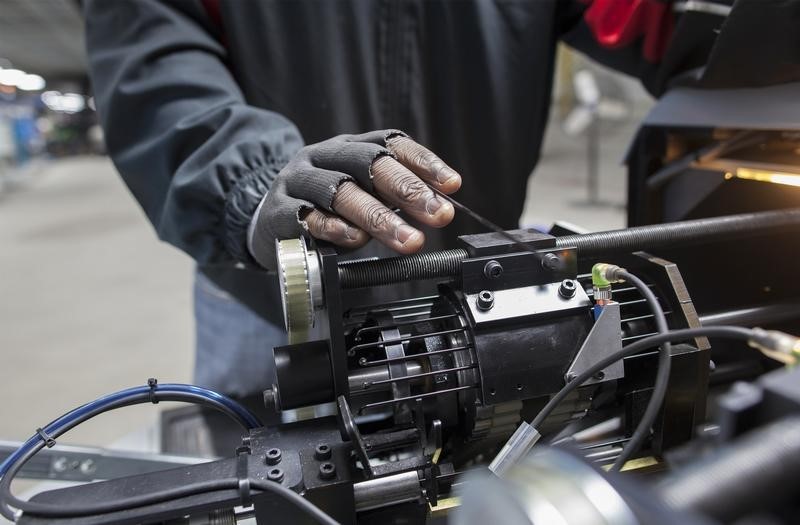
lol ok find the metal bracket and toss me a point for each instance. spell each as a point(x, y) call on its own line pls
point(354, 436)
point(603, 340)
point(74, 463)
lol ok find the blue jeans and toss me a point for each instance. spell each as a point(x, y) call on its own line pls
point(233, 344)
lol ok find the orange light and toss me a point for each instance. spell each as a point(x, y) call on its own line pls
point(775, 177)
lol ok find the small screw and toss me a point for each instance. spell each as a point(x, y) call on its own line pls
point(567, 289)
point(61, 464)
point(572, 376)
point(551, 262)
point(323, 451)
point(273, 456)
point(327, 470)
point(485, 300)
point(600, 375)
point(275, 475)
point(88, 467)
point(493, 269)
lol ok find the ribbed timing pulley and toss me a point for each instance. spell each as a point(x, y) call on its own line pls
point(301, 287)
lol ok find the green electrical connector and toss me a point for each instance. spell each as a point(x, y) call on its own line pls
point(603, 275)
point(599, 275)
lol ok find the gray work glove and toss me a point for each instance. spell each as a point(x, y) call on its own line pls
point(341, 190)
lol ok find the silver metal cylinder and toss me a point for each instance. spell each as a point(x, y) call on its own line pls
point(360, 377)
point(389, 490)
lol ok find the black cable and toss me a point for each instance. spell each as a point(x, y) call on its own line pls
point(729, 332)
point(306, 506)
point(7, 499)
point(192, 489)
point(642, 430)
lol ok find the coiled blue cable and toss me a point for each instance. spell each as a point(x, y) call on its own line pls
point(130, 396)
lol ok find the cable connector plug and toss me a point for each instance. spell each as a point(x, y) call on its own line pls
point(603, 275)
point(776, 345)
point(518, 445)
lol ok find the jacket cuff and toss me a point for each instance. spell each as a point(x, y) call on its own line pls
point(240, 208)
point(251, 228)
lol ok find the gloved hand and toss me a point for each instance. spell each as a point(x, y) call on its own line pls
point(338, 190)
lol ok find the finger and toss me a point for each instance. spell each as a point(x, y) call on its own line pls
point(425, 164)
point(398, 186)
point(329, 227)
point(372, 216)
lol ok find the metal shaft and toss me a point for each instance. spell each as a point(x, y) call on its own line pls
point(361, 274)
point(682, 233)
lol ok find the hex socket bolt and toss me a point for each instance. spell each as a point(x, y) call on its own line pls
point(327, 470)
point(567, 289)
point(485, 300)
point(493, 269)
point(273, 456)
point(323, 451)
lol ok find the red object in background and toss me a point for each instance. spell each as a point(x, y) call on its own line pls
point(618, 23)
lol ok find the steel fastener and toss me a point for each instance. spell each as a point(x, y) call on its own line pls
point(273, 456)
point(327, 470)
point(493, 269)
point(485, 300)
point(323, 451)
point(275, 475)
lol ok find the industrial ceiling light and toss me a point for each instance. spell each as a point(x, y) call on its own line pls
point(31, 83)
point(11, 77)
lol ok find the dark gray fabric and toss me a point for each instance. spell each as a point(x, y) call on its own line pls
point(197, 157)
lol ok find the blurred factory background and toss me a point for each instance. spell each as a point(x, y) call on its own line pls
point(91, 302)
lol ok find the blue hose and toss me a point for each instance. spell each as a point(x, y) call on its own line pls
point(133, 395)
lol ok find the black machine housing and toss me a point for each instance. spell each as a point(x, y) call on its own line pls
point(440, 381)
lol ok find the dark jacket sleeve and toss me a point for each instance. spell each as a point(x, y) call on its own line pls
point(194, 154)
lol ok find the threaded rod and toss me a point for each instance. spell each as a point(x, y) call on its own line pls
point(362, 274)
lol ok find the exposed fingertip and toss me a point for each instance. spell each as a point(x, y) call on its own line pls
point(409, 239)
point(449, 183)
point(444, 215)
